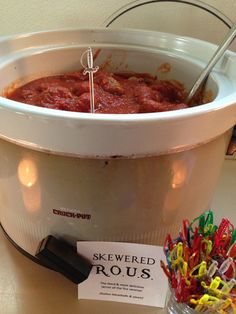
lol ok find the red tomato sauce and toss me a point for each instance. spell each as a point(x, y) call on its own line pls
point(114, 93)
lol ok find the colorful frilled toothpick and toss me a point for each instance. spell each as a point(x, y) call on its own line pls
point(201, 265)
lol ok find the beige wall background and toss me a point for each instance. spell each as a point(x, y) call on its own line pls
point(19, 16)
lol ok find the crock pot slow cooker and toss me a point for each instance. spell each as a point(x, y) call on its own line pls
point(82, 176)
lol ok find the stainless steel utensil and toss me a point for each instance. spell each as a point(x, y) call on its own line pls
point(218, 54)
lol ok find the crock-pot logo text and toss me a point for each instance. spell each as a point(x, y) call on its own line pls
point(123, 265)
point(71, 214)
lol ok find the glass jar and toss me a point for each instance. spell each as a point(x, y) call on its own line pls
point(173, 307)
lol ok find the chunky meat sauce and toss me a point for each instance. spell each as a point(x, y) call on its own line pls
point(114, 93)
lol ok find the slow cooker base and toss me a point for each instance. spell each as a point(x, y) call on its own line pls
point(31, 257)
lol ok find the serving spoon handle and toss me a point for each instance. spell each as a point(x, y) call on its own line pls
point(215, 58)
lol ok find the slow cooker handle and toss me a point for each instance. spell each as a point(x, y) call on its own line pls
point(232, 145)
point(196, 3)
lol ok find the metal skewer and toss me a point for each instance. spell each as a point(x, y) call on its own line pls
point(217, 55)
point(90, 70)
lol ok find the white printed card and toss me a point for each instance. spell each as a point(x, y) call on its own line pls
point(124, 272)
